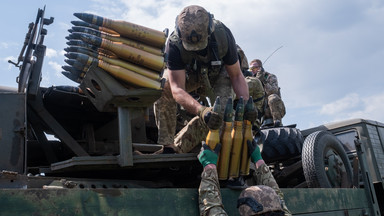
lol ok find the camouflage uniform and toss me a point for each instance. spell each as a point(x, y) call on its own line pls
point(210, 202)
point(195, 65)
point(256, 90)
point(195, 131)
point(209, 194)
point(263, 176)
point(275, 107)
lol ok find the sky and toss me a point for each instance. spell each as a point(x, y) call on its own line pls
point(326, 54)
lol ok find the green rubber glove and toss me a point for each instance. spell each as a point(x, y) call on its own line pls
point(253, 151)
point(207, 156)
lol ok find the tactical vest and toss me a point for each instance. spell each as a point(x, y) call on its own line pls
point(216, 50)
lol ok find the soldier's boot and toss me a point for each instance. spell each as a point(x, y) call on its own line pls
point(267, 123)
point(277, 123)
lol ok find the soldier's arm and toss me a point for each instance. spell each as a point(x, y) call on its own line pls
point(272, 86)
point(177, 83)
point(263, 176)
point(210, 202)
point(237, 80)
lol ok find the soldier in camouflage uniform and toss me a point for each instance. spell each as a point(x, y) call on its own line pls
point(266, 194)
point(274, 109)
point(255, 88)
point(202, 58)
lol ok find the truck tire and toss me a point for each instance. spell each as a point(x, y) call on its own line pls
point(280, 143)
point(325, 162)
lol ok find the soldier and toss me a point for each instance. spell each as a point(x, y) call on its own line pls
point(274, 109)
point(202, 58)
point(264, 199)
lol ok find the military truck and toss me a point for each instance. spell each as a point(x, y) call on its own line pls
point(78, 150)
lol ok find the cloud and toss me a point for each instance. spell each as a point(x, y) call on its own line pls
point(56, 67)
point(12, 58)
point(47, 81)
point(372, 108)
point(62, 52)
point(50, 53)
point(355, 106)
point(3, 45)
point(346, 103)
point(7, 45)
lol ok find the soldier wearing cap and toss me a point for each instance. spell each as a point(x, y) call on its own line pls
point(203, 59)
point(274, 108)
point(265, 198)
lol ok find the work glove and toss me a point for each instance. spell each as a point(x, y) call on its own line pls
point(212, 119)
point(251, 115)
point(253, 151)
point(207, 156)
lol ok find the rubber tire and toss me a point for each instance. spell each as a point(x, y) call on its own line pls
point(315, 145)
point(280, 143)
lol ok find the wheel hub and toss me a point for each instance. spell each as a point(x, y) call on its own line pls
point(334, 167)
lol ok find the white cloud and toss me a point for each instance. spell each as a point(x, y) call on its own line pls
point(62, 52)
point(7, 45)
point(12, 58)
point(355, 106)
point(341, 105)
point(3, 45)
point(50, 53)
point(373, 108)
point(56, 67)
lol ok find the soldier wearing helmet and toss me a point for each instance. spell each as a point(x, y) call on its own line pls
point(202, 59)
point(265, 198)
point(274, 108)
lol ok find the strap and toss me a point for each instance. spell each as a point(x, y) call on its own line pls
point(252, 203)
point(215, 51)
point(258, 99)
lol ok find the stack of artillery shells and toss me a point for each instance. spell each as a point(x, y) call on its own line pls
point(131, 53)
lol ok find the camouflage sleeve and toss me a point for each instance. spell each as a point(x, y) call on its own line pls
point(271, 86)
point(210, 202)
point(263, 176)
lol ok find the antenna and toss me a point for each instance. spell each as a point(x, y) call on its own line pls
point(272, 54)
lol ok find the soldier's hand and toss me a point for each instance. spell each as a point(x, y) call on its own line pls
point(212, 119)
point(207, 156)
point(253, 151)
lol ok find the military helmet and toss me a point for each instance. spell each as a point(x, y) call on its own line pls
point(256, 200)
point(193, 26)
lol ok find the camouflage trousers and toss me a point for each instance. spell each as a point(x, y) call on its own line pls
point(165, 109)
point(275, 108)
